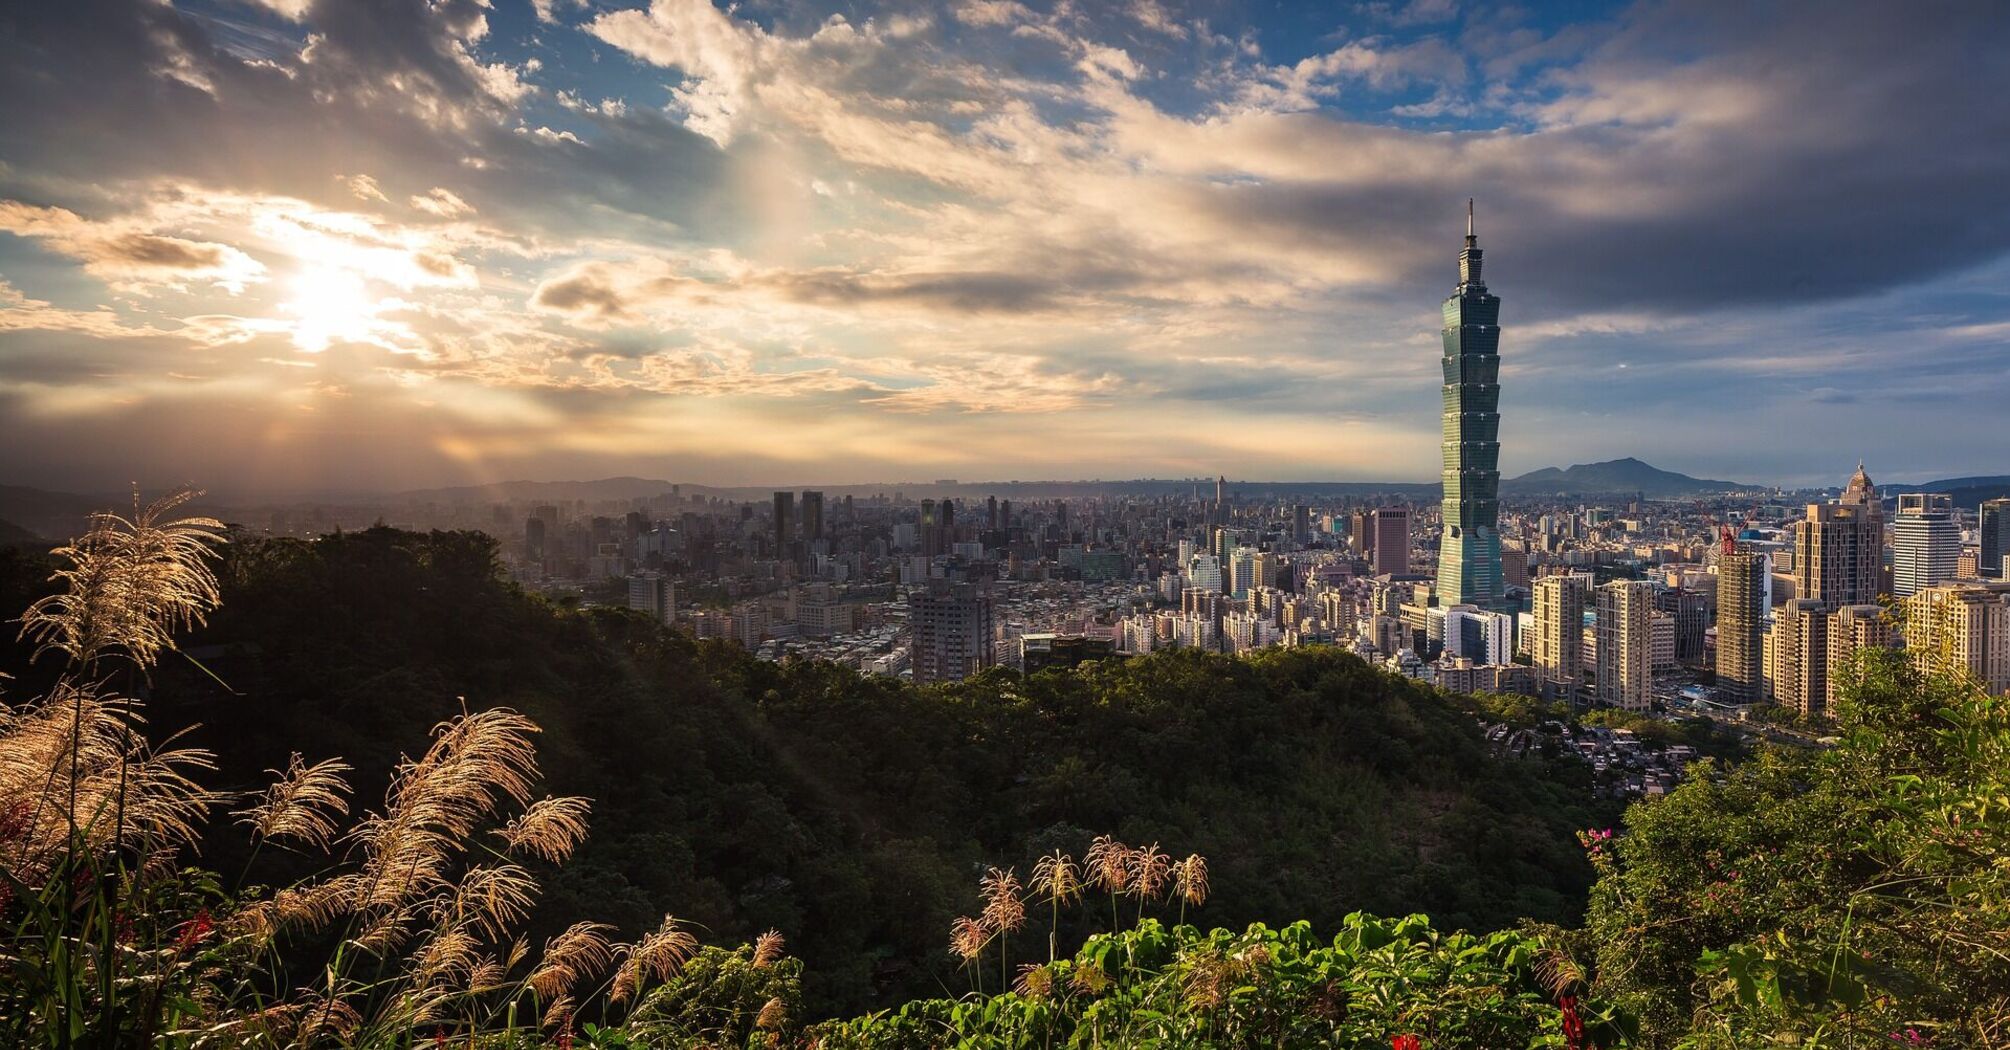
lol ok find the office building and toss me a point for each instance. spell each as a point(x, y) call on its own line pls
point(952, 627)
point(1469, 552)
point(813, 516)
point(1390, 542)
point(1994, 552)
point(785, 513)
point(1625, 644)
point(1925, 542)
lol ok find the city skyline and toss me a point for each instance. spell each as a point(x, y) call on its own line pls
point(789, 244)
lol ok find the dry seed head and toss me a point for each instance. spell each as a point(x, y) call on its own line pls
point(1190, 880)
point(1057, 878)
point(772, 1016)
point(658, 955)
point(551, 828)
point(579, 952)
point(1150, 870)
point(558, 1014)
point(769, 948)
point(302, 804)
point(1109, 864)
point(967, 937)
point(130, 584)
point(1035, 981)
point(1004, 911)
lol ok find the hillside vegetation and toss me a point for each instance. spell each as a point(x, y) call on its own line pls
point(412, 867)
point(853, 812)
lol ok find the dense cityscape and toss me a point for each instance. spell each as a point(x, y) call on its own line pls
point(1701, 599)
point(1004, 524)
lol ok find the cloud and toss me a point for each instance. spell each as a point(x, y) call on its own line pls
point(131, 258)
point(363, 187)
point(443, 204)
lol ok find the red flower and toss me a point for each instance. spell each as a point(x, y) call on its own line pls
point(193, 931)
point(1406, 1041)
point(1573, 1025)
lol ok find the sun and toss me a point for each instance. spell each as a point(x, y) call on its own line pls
point(330, 305)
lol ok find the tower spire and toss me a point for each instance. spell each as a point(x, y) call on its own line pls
point(1469, 218)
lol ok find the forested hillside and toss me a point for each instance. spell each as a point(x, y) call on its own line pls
point(852, 813)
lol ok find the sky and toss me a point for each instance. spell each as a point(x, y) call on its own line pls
point(317, 245)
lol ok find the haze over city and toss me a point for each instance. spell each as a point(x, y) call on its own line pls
point(297, 246)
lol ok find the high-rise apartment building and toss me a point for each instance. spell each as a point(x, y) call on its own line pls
point(1797, 656)
point(1925, 542)
point(1962, 627)
point(653, 593)
point(1852, 628)
point(1625, 644)
point(1389, 529)
point(1994, 518)
point(1556, 646)
point(1469, 553)
point(1742, 575)
point(953, 630)
point(1839, 547)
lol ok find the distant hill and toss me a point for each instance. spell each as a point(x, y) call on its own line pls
point(12, 535)
point(1967, 492)
point(1617, 475)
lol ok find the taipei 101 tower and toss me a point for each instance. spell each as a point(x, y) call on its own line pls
point(1469, 554)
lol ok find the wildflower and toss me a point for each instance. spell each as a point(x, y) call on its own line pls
point(1406, 1041)
point(193, 931)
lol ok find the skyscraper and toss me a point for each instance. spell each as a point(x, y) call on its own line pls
point(1839, 547)
point(1925, 542)
point(813, 516)
point(785, 512)
point(1742, 575)
point(1469, 554)
point(1995, 520)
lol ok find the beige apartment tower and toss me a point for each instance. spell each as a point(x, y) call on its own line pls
point(1851, 628)
point(1558, 646)
point(1839, 547)
point(1963, 627)
point(1625, 644)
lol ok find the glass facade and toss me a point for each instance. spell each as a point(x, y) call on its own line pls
point(1469, 553)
